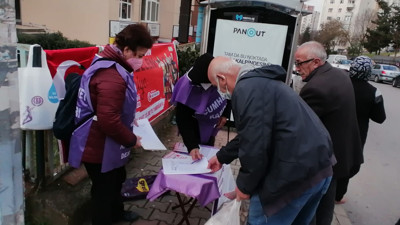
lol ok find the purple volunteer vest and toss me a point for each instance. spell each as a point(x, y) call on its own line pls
point(115, 155)
point(208, 105)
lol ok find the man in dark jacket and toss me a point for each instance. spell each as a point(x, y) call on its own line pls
point(285, 151)
point(330, 94)
point(369, 105)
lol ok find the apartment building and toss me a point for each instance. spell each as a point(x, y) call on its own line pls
point(350, 13)
point(98, 21)
point(310, 20)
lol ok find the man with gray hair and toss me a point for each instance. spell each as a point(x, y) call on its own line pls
point(284, 150)
point(329, 92)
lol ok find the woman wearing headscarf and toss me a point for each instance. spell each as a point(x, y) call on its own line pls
point(369, 105)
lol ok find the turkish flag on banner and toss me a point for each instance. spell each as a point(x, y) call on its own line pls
point(65, 61)
point(154, 81)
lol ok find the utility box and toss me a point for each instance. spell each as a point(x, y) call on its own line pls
point(255, 32)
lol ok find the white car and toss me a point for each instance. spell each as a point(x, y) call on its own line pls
point(343, 64)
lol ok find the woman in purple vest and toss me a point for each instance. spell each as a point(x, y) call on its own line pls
point(200, 110)
point(113, 99)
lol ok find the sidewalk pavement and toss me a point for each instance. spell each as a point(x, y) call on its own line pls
point(159, 211)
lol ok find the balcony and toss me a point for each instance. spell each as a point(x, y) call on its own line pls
point(350, 5)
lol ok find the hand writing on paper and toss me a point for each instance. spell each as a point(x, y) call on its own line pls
point(240, 195)
point(214, 165)
point(195, 153)
point(221, 122)
point(138, 142)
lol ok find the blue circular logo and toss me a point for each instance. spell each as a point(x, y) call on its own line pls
point(251, 32)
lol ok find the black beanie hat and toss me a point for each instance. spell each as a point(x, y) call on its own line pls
point(198, 74)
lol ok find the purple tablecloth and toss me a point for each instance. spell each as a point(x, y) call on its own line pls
point(202, 187)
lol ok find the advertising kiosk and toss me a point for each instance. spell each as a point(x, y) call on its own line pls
point(256, 32)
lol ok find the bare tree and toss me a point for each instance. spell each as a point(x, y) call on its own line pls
point(332, 34)
point(362, 22)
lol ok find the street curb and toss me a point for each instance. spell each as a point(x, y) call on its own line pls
point(341, 216)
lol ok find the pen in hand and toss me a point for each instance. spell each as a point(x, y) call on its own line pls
point(195, 161)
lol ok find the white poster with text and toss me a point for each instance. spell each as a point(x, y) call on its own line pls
point(246, 42)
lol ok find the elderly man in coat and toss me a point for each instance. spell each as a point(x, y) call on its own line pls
point(329, 92)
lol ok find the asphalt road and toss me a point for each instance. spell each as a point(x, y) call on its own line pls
point(373, 197)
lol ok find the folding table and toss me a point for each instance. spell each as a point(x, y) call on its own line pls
point(203, 188)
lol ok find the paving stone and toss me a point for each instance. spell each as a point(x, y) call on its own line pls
point(162, 216)
point(137, 203)
point(162, 206)
point(145, 222)
point(143, 212)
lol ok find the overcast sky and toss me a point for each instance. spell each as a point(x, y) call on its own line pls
point(316, 3)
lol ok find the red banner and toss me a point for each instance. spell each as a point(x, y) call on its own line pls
point(154, 81)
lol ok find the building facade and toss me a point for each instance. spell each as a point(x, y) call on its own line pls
point(310, 20)
point(98, 21)
point(352, 13)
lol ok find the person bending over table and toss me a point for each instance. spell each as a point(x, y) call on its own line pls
point(200, 110)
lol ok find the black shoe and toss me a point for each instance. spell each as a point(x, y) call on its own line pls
point(129, 216)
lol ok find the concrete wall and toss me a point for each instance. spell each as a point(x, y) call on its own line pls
point(11, 184)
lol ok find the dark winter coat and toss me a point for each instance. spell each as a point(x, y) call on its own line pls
point(283, 147)
point(369, 105)
point(329, 92)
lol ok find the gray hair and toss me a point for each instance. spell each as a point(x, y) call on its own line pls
point(315, 50)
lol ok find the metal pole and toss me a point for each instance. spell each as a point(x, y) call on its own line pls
point(294, 45)
point(40, 164)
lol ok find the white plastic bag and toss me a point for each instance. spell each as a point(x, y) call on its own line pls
point(227, 215)
point(38, 99)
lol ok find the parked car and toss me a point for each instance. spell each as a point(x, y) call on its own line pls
point(343, 64)
point(396, 81)
point(333, 59)
point(384, 72)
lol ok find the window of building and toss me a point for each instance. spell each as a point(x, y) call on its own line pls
point(328, 18)
point(338, 18)
point(330, 10)
point(351, 1)
point(125, 9)
point(340, 10)
point(332, 1)
point(341, 1)
point(347, 18)
point(150, 10)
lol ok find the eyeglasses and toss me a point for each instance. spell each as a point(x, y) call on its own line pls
point(301, 63)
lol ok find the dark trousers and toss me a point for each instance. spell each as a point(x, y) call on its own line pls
point(341, 188)
point(326, 207)
point(107, 204)
point(343, 183)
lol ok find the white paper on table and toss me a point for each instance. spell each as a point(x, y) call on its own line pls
point(176, 163)
point(208, 151)
point(205, 150)
point(149, 140)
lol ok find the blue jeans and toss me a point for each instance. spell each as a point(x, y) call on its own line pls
point(299, 211)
